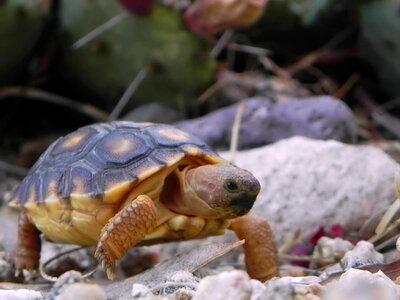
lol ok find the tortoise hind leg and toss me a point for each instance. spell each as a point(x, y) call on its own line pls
point(128, 227)
point(29, 244)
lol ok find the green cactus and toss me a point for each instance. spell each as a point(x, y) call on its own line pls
point(21, 23)
point(107, 65)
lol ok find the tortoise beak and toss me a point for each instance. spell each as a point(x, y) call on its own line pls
point(243, 202)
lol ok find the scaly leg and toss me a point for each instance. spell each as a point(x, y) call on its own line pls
point(28, 247)
point(259, 247)
point(128, 227)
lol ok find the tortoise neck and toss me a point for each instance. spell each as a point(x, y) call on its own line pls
point(179, 197)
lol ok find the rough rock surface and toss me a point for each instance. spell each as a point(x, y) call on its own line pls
point(331, 248)
point(22, 294)
point(233, 285)
point(308, 183)
point(82, 291)
point(362, 285)
point(363, 254)
point(264, 122)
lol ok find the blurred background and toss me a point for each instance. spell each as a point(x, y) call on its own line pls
point(249, 76)
point(65, 64)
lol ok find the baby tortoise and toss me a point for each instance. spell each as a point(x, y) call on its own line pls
point(123, 184)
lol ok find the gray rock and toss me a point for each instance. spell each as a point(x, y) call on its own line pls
point(308, 183)
point(264, 123)
point(153, 112)
point(291, 288)
point(363, 254)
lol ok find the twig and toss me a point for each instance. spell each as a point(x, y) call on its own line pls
point(9, 168)
point(325, 82)
point(99, 30)
point(388, 216)
point(391, 104)
point(252, 50)
point(304, 62)
point(235, 131)
point(129, 92)
point(225, 37)
point(269, 65)
point(248, 49)
point(87, 109)
point(326, 260)
point(392, 240)
point(392, 226)
point(285, 247)
point(312, 57)
point(346, 87)
point(379, 115)
point(211, 90)
point(58, 256)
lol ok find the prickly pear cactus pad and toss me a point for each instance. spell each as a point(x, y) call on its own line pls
point(106, 65)
point(21, 23)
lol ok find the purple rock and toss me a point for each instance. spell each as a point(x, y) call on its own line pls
point(263, 122)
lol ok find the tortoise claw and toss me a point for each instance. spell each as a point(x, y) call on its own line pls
point(25, 262)
point(107, 263)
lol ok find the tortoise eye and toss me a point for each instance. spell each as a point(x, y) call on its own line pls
point(231, 186)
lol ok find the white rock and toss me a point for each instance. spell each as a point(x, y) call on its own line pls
point(257, 289)
point(363, 254)
point(309, 183)
point(82, 291)
point(362, 285)
point(331, 248)
point(233, 285)
point(21, 294)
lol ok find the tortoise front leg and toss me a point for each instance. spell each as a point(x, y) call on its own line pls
point(259, 247)
point(27, 254)
point(128, 227)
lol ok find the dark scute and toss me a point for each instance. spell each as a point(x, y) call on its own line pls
point(84, 175)
point(173, 137)
point(167, 156)
point(60, 149)
point(114, 176)
point(49, 176)
point(121, 147)
point(22, 191)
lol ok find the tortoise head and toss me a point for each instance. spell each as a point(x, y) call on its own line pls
point(216, 191)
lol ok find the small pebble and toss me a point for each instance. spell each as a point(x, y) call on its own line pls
point(330, 248)
point(233, 285)
point(82, 291)
point(363, 254)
